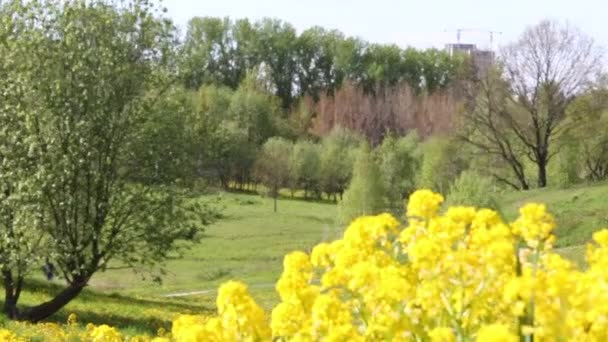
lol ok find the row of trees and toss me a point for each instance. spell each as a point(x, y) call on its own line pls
point(312, 63)
point(327, 167)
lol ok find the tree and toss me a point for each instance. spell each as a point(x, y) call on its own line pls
point(366, 192)
point(276, 47)
point(442, 162)
point(337, 160)
point(399, 163)
point(21, 244)
point(214, 140)
point(217, 51)
point(316, 70)
point(163, 152)
point(88, 73)
point(544, 70)
point(586, 132)
point(272, 166)
point(472, 189)
point(304, 167)
point(485, 126)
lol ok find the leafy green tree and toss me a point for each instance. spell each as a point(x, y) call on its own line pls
point(442, 162)
point(272, 165)
point(472, 189)
point(162, 152)
point(88, 74)
point(563, 170)
point(316, 68)
point(304, 167)
point(366, 192)
point(217, 51)
point(276, 46)
point(21, 245)
point(399, 162)
point(337, 160)
point(586, 135)
point(256, 111)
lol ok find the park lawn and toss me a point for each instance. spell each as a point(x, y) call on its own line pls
point(249, 243)
point(578, 210)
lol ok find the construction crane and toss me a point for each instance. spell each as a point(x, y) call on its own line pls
point(492, 33)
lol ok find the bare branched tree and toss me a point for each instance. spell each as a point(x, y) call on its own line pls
point(518, 114)
point(488, 131)
point(547, 68)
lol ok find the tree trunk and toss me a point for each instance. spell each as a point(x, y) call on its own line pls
point(12, 291)
point(46, 309)
point(275, 195)
point(542, 173)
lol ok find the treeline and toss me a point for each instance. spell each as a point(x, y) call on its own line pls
point(313, 63)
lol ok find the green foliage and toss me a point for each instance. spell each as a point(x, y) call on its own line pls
point(228, 128)
point(337, 159)
point(587, 137)
point(304, 168)
point(366, 192)
point(472, 189)
point(87, 78)
point(563, 169)
point(162, 152)
point(399, 163)
point(442, 162)
point(272, 165)
point(221, 51)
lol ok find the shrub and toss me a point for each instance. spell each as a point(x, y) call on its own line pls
point(398, 161)
point(366, 193)
point(441, 163)
point(472, 189)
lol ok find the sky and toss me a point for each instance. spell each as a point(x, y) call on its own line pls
point(417, 23)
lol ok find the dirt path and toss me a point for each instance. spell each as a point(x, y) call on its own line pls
point(205, 292)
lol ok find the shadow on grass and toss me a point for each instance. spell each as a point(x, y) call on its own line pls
point(126, 317)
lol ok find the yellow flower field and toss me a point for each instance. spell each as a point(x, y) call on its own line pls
point(464, 275)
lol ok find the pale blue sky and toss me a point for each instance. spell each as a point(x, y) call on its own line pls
point(419, 23)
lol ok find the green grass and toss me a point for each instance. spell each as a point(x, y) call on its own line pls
point(579, 210)
point(249, 243)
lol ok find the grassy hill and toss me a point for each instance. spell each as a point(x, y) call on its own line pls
point(249, 245)
point(579, 211)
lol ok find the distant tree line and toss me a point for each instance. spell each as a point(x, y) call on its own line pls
point(316, 62)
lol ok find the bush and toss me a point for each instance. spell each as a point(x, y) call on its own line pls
point(399, 162)
point(472, 189)
point(366, 193)
point(442, 162)
point(564, 167)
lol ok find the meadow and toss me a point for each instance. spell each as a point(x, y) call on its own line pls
point(249, 243)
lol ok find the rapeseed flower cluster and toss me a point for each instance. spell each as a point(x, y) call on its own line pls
point(460, 275)
point(463, 275)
